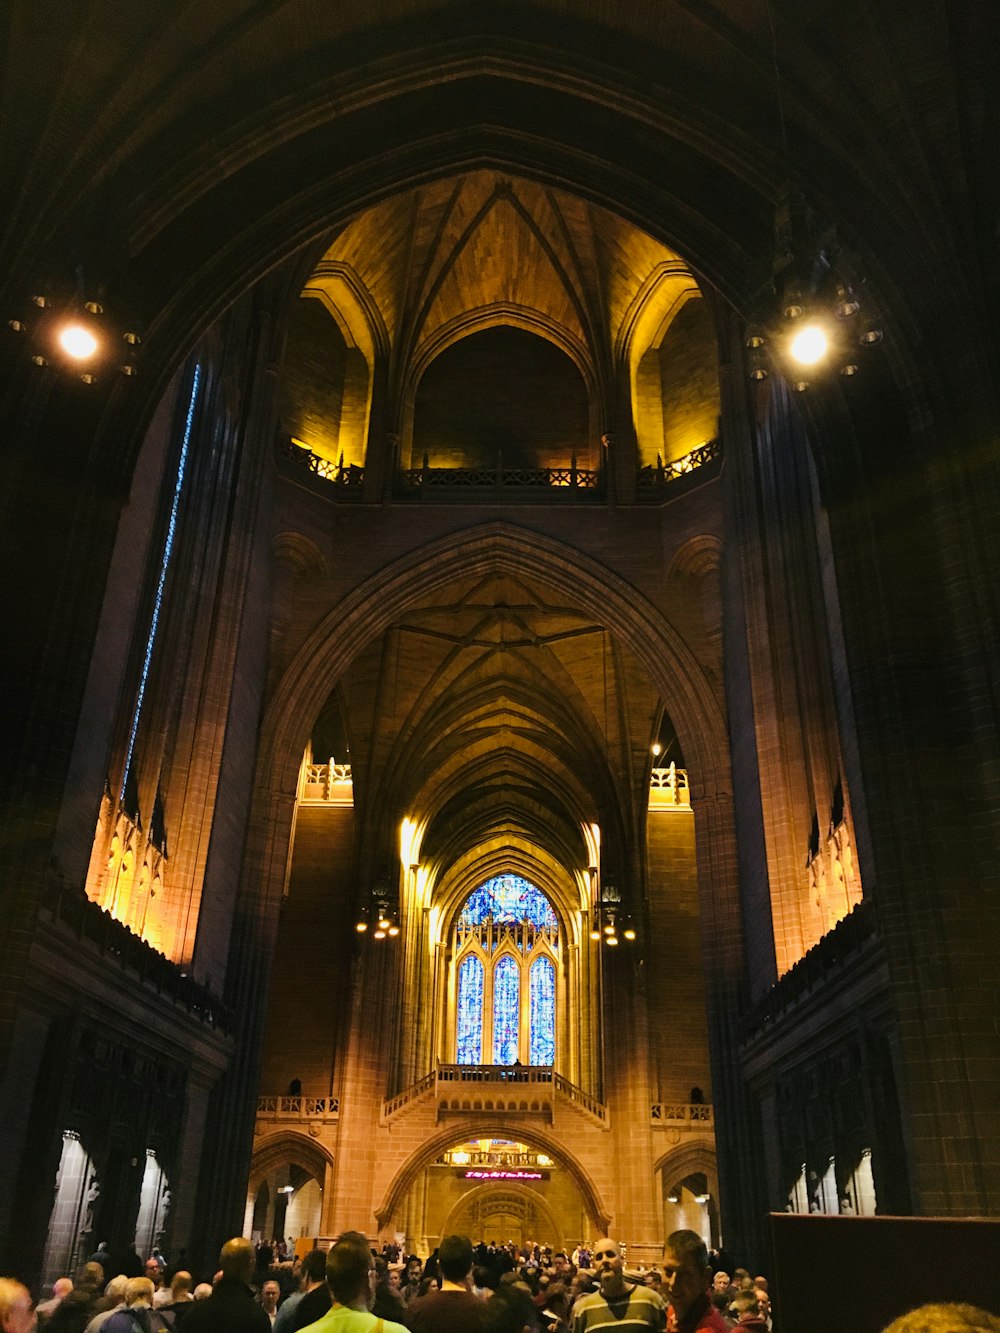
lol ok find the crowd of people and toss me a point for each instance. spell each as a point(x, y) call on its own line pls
point(460, 1288)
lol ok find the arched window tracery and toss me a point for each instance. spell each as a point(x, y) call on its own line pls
point(506, 952)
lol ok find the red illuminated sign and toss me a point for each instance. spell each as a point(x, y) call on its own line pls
point(501, 1173)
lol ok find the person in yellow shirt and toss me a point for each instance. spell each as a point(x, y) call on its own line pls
point(350, 1275)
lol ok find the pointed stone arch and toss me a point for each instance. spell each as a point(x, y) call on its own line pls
point(499, 548)
point(288, 1147)
point(432, 1148)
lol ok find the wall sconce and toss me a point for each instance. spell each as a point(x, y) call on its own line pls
point(815, 323)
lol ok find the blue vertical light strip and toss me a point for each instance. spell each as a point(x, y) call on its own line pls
point(542, 996)
point(506, 1010)
point(168, 548)
point(470, 1011)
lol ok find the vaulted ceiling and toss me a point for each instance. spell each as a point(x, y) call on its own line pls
point(499, 713)
point(177, 152)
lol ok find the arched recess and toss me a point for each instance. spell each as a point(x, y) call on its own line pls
point(468, 1201)
point(687, 1159)
point(432, 1148)
point(288, 1148)
point(481, 551)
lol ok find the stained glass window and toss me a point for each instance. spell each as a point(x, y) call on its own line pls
point(470, 1011)
point(506, 1010)
point(508, 898)
point(543, 1012)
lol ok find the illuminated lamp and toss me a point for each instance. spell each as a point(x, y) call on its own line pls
point(380, 934)
point(809, 345)
point(629, 934)
point(612, 939)
point(809, 318)
point(361, 927)
point(393, 931)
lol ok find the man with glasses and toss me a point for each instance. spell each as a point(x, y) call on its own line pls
point(623, 1305)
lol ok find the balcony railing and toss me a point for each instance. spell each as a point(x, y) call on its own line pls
point(327, 784)
point(345, 481)
point(569, 482)
point(298, 1108)
point(552, 483)
point(652, 482)
point(851, 935)
point(682, 1115)
point(668, 788)
point(511, 1088)
point(113, 939)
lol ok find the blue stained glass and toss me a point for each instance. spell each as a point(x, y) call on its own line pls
point(508, 898)
point(542, 993)
point(470, 1011)
point(506, 1010)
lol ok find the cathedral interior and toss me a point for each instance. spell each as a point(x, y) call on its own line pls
point(499, 737)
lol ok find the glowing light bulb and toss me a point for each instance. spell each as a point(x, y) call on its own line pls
point(361, 927)
point(77, 341)
point(595, 934)
point(657, 748)
point(629, 934)
point(612, 939)
point(394, 931)
point(380, 934)
point(809, 345)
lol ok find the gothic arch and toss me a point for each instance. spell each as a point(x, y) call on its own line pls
point(687, 1160)
point(538, 1201)
point(289, 1146)
point(497, 547)
point(432, 1148)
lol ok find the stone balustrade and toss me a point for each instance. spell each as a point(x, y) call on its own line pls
point(682, 1115)
point(298, 1108)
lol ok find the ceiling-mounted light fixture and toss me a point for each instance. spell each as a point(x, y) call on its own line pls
point(76, 334)
point(811, 323)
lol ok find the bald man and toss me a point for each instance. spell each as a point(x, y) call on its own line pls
point(17, 1314)
point(231, 1308)
point(621, 1305)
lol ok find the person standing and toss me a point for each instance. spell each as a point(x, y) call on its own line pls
point(350, 1275)
point(687, 1277)
point(231, 1308)
point(618, 1304)
point(454, 1308)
